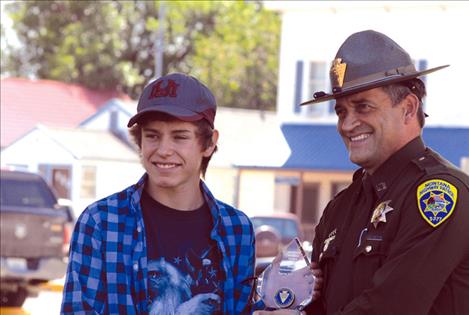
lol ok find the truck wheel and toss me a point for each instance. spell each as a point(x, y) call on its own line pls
point(14, 299)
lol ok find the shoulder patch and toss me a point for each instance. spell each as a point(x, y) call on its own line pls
point(436, 199)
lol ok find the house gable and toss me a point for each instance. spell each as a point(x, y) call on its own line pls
point(26, 103)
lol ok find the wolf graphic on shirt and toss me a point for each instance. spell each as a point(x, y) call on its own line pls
point(173, 292)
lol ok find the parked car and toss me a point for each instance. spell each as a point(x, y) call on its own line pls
point(35, 235)
point(273, 232)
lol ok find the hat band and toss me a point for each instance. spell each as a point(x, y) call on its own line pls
point(380, 76)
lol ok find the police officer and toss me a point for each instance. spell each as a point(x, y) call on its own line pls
point(396, 241)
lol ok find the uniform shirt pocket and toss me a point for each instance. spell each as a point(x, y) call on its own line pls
point(368, 257)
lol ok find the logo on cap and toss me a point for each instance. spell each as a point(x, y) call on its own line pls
point(169, 90)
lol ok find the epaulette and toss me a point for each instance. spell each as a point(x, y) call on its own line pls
point(338, 194)
point(429, 164)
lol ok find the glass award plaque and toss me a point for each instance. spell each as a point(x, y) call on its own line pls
point(287, 283)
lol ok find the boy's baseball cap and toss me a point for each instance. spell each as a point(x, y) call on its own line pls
point(178, 95)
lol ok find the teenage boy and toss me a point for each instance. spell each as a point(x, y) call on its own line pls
point(164, 245)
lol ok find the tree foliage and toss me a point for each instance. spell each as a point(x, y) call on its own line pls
point(230, 45)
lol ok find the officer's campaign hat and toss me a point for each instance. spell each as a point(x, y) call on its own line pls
point(367, 60)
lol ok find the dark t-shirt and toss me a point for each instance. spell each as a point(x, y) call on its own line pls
point(185, 276)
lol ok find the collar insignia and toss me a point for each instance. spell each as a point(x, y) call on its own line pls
point(436, 199)
point(337, 72)
point(379, 214)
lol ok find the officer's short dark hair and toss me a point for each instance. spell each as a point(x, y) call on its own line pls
point(398, 91)
point(204, 133)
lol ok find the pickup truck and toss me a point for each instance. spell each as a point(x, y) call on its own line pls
point(35, 235)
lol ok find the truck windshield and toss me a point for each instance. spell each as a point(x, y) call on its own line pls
point(20, 193)
point(287, 228)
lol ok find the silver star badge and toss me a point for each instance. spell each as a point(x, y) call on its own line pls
point(379, 214)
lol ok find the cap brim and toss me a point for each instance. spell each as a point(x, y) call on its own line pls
point(177, 112)
point(370, 85)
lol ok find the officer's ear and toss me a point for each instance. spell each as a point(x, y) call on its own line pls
point(410, 106)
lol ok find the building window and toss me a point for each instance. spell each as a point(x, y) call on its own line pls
point(298, 87)
point(318, 80)
point(59, 177)
point(337, 187)
point(309, 211)
point(88, 182)
point(285, 199)
point(421, 65)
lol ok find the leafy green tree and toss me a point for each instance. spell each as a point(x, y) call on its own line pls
point(230, 45)
point(241, 56)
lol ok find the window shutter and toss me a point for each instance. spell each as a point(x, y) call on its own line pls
point(298, 86)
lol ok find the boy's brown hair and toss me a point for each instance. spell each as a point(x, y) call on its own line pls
point(204, 133)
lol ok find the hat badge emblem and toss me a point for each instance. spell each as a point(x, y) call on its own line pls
point(337, 72)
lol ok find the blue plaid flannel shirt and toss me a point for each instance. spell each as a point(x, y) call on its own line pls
point(107, 272)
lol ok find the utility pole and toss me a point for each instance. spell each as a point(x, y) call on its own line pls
point(159, 44)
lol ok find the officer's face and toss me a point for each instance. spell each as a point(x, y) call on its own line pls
point(371, 127)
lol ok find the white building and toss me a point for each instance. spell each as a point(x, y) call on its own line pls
point(81, 164)
point(97, 158)
point(291, 161)
point(432, 32)
point(312, 31)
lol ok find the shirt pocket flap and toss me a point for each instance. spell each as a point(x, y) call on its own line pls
point(372, 245)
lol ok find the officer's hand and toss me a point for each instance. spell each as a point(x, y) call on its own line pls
point(318, 280)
